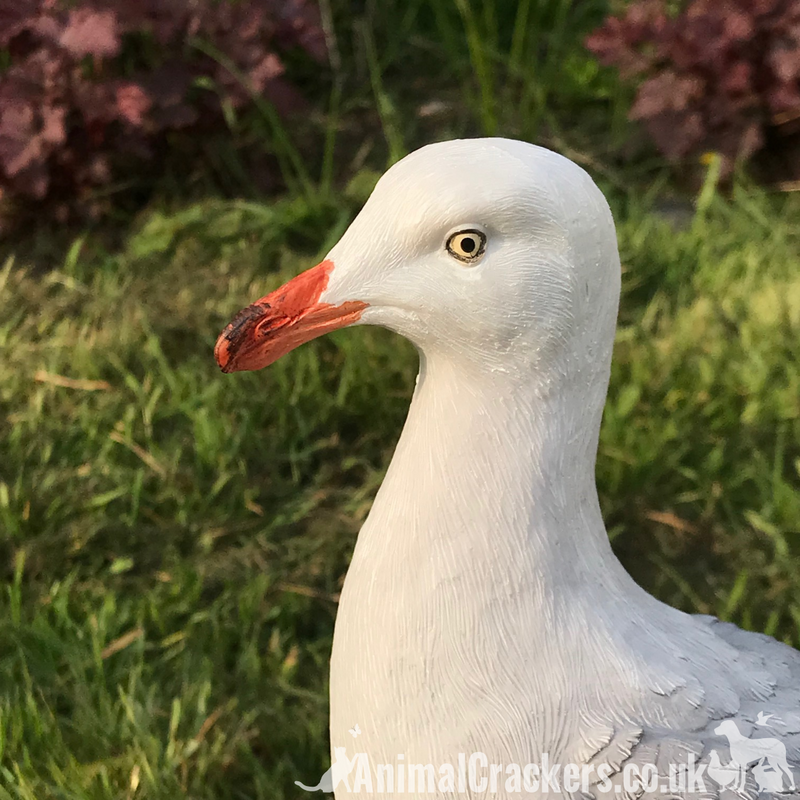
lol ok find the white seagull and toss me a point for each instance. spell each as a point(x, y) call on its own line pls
point(484, 610)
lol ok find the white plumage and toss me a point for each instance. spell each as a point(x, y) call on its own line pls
point(484, 609)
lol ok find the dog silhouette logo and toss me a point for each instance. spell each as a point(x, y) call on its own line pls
point(764, 756)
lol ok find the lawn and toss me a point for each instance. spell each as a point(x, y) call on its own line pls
point(174, 539)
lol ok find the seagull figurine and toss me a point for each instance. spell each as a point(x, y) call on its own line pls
point(484, 610)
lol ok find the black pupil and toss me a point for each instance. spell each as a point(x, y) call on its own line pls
point(468, 244)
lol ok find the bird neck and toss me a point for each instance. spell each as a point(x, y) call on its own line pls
point(493, 478)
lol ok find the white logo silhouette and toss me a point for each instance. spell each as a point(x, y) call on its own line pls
point(765, 757)
point(767, 754)
point(723, 774)
point(337, 773)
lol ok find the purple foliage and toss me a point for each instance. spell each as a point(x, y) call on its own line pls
point(718, 76)
point(90, 80)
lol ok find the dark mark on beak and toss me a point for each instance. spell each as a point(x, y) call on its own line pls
point(245, 316)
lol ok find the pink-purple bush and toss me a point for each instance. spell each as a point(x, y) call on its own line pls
point(722, 76)
point(92, 88)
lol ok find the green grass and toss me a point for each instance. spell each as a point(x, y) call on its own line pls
point(203, 522)
point(173, 540)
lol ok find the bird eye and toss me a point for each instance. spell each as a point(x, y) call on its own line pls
point(467, 245)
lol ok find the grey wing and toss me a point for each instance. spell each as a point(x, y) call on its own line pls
point(752, 752)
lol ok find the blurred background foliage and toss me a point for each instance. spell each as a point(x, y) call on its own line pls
point(173, 541)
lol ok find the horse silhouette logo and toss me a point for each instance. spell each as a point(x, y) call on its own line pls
point(766, 757)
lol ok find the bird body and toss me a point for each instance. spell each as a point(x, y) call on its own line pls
point(484, 610)
point(723, 774)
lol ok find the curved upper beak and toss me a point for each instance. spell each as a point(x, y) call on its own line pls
point(286, 318)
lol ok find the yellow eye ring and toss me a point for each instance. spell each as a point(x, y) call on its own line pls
point(466, 246)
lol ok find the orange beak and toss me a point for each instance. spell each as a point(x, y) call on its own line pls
point(288, 317)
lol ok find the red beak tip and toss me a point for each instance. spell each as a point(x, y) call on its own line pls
point(222, 354)
point(283, 320)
